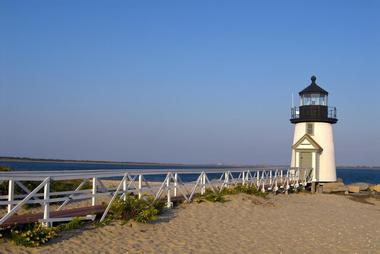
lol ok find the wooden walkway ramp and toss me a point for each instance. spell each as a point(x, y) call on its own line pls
point(74, 212)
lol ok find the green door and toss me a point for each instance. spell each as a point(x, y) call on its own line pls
point(306, 160)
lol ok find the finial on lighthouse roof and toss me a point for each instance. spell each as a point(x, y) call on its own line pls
point(313, 88)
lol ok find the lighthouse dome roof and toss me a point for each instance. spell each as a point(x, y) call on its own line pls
point(313, 88)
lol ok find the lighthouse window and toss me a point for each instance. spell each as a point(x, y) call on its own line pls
point(313, 99)
point(306, 100)
point(323, 100)
point(310, 129)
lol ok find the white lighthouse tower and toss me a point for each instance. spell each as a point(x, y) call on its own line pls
point(313, 144)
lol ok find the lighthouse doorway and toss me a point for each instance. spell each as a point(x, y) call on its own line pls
point(306, 160)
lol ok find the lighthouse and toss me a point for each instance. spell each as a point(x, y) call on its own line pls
point(313, 143)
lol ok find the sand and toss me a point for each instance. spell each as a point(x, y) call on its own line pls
point(297, 223)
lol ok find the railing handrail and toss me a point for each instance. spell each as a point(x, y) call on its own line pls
point(77, 174)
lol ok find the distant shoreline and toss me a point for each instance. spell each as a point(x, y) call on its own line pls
point(359, 167)
point(28, 159)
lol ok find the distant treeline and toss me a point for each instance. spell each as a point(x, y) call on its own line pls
point(359, 166)
point(26, 159)
point(11, 158)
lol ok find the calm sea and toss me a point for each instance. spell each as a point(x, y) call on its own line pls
point(349, 175)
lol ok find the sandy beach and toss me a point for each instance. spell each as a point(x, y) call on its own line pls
point(297, 223)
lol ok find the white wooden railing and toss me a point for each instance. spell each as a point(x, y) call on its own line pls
point(171, 185)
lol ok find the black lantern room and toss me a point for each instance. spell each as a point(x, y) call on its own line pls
point(313, 106)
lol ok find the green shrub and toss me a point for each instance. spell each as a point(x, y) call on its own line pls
point(210, 196)
point(4, 185)
point(146, 215)
point(68, 185)
point(218, 196)
point(141, 210)
point(228, 191)
point(4, 188)
point(32, 235)
point(214, 196)
point(73, 224)
point(250, 190)
point(5, 168)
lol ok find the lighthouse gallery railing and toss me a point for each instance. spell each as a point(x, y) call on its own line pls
point(313, 112)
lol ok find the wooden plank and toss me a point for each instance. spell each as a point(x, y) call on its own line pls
point(29, 218)
point(74, 212)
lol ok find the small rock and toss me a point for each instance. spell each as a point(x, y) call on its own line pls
point(362, 186)
point(334, 187)
point(353, 188)
point(339, 180)
point(375, 188)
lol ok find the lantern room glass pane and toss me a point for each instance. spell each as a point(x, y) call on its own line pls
point(314, 99)
point(306, 100)
point(323, 100)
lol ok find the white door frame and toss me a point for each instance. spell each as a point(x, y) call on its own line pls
point(314, 160)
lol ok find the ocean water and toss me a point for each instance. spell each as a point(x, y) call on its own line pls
point(354, 175)
point(349, 175)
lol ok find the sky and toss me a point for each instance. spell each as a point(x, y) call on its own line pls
point(184, 81)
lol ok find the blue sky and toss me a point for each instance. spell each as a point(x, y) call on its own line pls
point(184, 81)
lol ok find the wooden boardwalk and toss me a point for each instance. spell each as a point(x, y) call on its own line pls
point(74, 212)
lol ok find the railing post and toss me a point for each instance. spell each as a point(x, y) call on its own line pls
point(262, 179)
point(226, 179)
point(175, 184)
point(243, 177)
point(46, 218)
point(203, 183)
point(11, 192)
point(93, 199)
point(169, 203)
point(313, 187)
point(263, 183)
point(270, 177)
point(140, 186)
point(258, 178)
point(125, 189)
point(275, 188)
point(287, 179)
